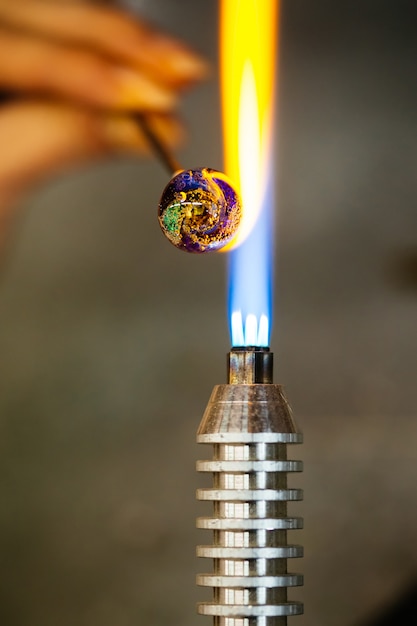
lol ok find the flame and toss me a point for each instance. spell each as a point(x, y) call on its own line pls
point(248, 35)
point(248, 31)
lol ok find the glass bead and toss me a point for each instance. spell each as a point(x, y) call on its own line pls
point(199, 210)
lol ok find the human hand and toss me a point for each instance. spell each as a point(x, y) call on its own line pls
point(72, 74)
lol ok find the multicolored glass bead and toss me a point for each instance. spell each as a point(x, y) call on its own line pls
point(199, 210)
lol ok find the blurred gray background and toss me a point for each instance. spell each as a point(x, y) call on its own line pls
point(111, 341)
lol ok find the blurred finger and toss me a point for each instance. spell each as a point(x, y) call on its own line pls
point(112, 33)
point(34, 65)
point(44, 137)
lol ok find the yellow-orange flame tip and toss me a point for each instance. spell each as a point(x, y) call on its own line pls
point(248, 35)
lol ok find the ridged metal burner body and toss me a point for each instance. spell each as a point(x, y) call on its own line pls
point(250, 425)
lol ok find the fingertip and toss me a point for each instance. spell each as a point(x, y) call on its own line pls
point(135, 90)
point(188, 65)
point(170, 59)
point(122, 133)
point(169, 129)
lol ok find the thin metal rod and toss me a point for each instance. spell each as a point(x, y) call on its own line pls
point(159, 148)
